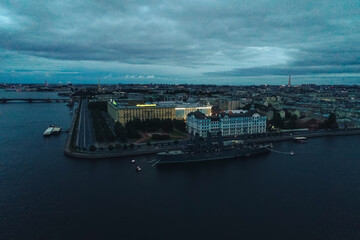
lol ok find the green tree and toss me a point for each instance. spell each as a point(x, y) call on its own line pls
point(120, 131)
point(277, 121)
point(292, 124)
point(180, 125)
point(331, 121)
point(111, 147)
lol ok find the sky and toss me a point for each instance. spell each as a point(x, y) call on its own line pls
point(235, 42)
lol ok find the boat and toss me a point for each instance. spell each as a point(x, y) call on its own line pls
point(49, 130)
point(215, 153)
point(52, 130)
point(138, 168)
point(56, 130)
point(300, 139)
point(11, 89)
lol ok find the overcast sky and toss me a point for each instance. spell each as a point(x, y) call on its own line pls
point(193, 41)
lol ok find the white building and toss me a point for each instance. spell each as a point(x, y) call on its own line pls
point(182, 109)
point(228, 124)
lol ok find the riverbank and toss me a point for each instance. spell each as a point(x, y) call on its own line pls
point(148, 150)
point(142, 149)
point(310, 134)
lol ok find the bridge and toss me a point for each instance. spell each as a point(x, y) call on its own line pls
point(34, 100)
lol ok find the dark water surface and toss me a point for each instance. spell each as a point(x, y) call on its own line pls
point(45, 195)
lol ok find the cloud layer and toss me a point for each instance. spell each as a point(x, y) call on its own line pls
point(180, 39)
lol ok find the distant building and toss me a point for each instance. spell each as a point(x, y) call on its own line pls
point(229, 124)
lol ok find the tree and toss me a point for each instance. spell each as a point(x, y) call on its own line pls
point(292, 122)
point(176, 142)
point(120, 131)
point(331, 121)
point(101, 106)
point(277, 121)
point(111, 138)
point(131, 132)
point(111, 147)
point(167, 125)
point(92, 148)
point(132, 145)
point(180, 125)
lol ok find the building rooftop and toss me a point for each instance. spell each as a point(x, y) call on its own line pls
point(200, 115)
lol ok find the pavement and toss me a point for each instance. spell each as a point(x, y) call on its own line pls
point(85, 133)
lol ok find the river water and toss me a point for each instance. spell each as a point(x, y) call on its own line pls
point(314, 194)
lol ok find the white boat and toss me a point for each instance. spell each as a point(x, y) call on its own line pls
point(300, 139)
point(52, 130)
point(48, 131)
point(56, 130)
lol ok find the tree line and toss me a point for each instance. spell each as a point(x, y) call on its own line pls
point(290, 121)
point(132, 128)
point(101, 128)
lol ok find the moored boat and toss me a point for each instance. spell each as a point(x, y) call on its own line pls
point(300, 139)
point(49, 131)
point(52, 130)
point(188, 156)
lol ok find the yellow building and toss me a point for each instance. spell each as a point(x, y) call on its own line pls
point(182, 109)
point(124, 114)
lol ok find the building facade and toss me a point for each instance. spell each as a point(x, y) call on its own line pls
point(124, 114)
point(228, 124)
point(182, 109)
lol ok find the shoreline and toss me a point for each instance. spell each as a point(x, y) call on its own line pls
point(153, 150)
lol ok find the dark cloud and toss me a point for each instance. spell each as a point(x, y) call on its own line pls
point(205, 38)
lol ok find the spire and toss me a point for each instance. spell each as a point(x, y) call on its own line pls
point(289, 84)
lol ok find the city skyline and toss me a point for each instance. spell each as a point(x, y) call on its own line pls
point(232, 42)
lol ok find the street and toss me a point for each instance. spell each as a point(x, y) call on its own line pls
point(85, 134)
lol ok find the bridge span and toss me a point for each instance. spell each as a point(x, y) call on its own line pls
point(34, 100)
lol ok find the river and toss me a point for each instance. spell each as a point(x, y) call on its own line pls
point(314, 194)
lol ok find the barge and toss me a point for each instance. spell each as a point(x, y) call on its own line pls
point(188, 156)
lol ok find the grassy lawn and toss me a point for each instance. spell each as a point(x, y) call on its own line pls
point(177, 134)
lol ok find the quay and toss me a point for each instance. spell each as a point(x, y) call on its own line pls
point(148, 150)
point(309, 134)
point(153, 150)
